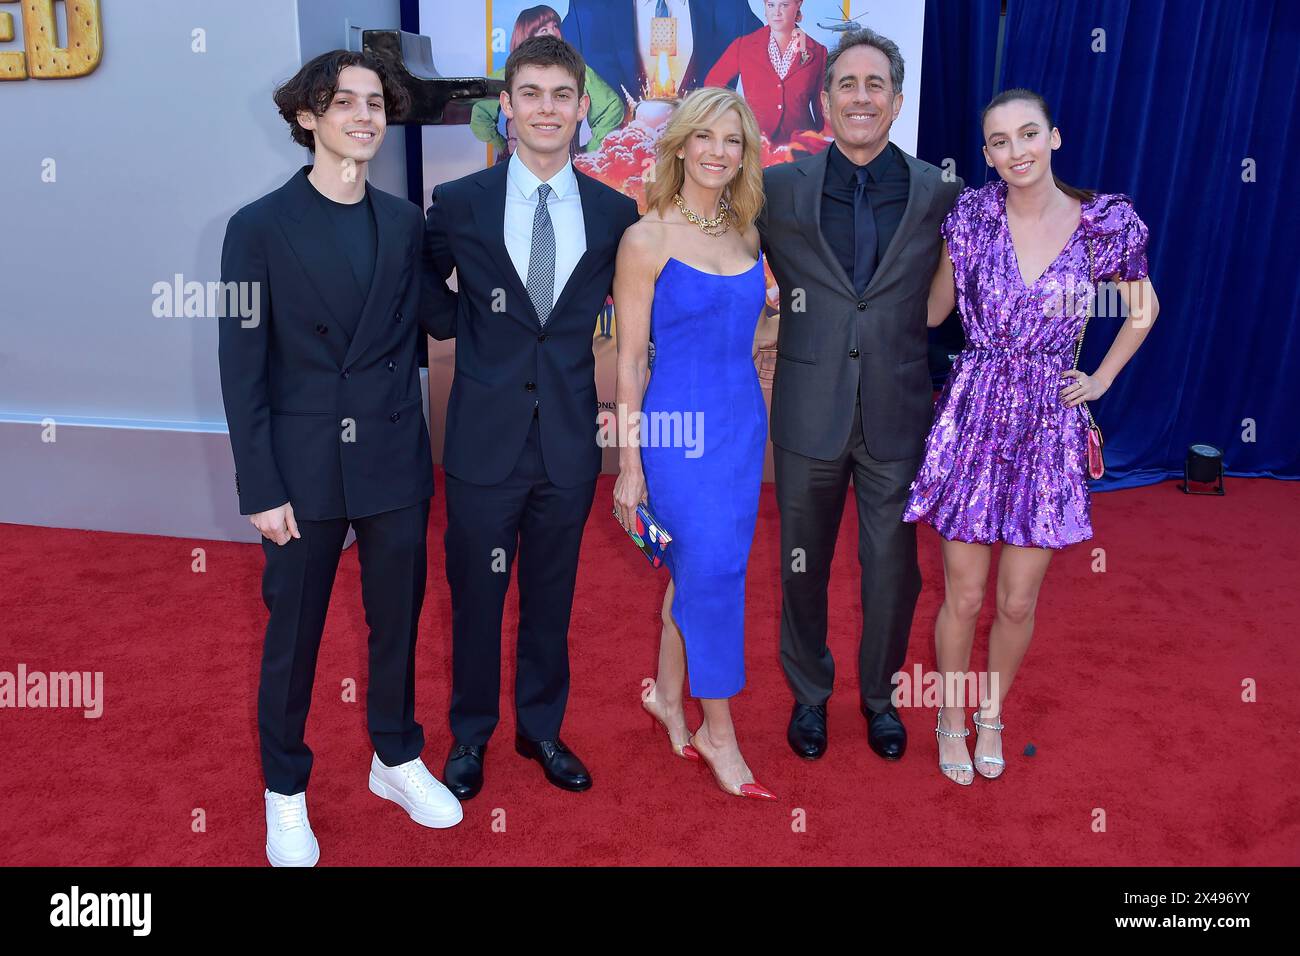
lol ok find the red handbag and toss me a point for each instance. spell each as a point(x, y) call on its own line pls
point(1096, 463)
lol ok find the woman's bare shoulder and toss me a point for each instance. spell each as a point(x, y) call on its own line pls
point(644, 240)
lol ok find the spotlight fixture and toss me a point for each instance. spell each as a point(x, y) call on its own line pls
point(1204, 465)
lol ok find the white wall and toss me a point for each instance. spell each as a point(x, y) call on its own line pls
point(154, 151)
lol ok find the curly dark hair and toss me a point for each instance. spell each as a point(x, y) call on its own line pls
point(313, 87)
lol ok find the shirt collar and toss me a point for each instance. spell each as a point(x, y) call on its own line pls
point(522, 179)
point(845, 169)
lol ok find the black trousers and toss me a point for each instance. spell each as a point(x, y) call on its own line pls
point(486, 526)
point(296, 585)
point(810, 498)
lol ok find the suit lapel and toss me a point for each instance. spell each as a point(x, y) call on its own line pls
point(758, 50)
point(388, 265)
point(310, 235)
point(594, 225)
point(920, 187)
point(808, 209)
point(796, 64)
point(490, 217)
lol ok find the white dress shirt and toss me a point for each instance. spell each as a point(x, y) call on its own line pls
point(681, 9)
point(565, 206)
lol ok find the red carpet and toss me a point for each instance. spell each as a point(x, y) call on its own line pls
point(1131, 695)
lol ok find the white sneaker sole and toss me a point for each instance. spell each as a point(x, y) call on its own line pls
point(418, 814)
point(276, 860)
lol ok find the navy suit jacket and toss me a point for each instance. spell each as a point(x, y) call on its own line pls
point(506, 363)
point(332, 424)
point(604, 31)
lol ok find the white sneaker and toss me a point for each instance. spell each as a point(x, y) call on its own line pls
point(289, 840)
point(418, 792)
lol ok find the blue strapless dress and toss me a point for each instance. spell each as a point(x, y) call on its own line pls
point(705, 408)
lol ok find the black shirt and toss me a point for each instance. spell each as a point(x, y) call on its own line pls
point(887, 187)
point(353, 230)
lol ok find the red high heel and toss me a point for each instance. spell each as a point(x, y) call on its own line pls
point(754, 791)
point(685, 751)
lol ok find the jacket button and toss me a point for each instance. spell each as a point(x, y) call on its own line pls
point(542, 337)
point(529, 386)
point(347, 373)
point(853, 353)
point(862, 307)
point(394, 417)
point(321, 328)
point(397, 316)
point(391, 365)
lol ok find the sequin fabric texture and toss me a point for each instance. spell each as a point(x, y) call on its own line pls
point(1005, 459)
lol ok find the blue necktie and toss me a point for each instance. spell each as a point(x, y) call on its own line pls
point(541, 259)
point(864, 234)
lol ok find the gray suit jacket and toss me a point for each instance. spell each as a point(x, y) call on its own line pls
point(835, 347)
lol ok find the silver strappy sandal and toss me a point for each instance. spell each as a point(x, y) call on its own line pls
point(945, 767)
point(992, 761)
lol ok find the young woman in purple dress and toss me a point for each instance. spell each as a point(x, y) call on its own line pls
point(1006, 457)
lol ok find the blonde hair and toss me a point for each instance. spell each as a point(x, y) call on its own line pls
point(699, 110)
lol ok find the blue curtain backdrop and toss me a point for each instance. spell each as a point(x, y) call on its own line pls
point(958, 63)
point(958, 56)
point(1184, 94)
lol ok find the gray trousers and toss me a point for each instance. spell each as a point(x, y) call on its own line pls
point(810, 497)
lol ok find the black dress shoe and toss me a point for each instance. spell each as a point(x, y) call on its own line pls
point(885, 733)
point(807, 731)
point(463, 772)
point(562, 766)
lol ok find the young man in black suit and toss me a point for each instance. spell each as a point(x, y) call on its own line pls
point(322, 394)
point(854, 228)
point(533, 244)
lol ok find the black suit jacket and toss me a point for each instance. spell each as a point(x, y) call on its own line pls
point(506, 364)
point(604, 31)
point(331, 424)
point(838, 347)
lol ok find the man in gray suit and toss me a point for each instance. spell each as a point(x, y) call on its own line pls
point(852, 235)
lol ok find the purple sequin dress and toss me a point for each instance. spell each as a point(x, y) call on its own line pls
point(1006, 459)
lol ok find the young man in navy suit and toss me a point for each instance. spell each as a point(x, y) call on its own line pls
point(322, 394)
point(533, 244)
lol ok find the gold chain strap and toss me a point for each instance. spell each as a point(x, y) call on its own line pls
point(1078, 347)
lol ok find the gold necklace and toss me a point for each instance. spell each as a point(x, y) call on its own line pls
point(723, 218)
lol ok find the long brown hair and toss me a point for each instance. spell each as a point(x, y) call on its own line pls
point(1019, 93)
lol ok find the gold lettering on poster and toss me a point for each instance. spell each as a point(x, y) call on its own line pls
point(42, 58)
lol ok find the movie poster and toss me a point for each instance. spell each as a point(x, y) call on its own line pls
point(643, 56)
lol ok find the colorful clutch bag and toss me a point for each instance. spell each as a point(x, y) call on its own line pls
point(648, 535)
